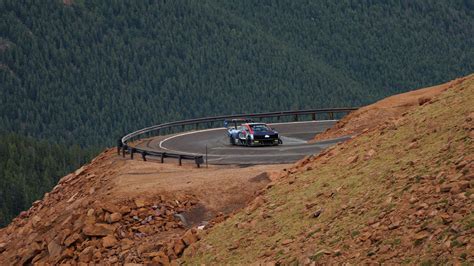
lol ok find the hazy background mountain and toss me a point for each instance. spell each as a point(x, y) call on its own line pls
point(85, 72)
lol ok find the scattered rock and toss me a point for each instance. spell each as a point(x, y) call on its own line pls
point(287, 241)
point(190, 237)
point(114, 217)
point(86, 254)
point(370, 154)
point(353, 159)
point(413, 200)
point(422, 100)
point(109, 241)
point(90, 212)
point(160, 258)
point(139, 203)
point(394, 225)
point(256, 203)
point(54, 249)
point(71, 199)
point(445, 188)
point(178, 246)
point(35, 221)
point(67, 253)
point(79, 171)
point(421, 235)
point(71, 239)
point(98, 230)
point(317, 213)
point(234, 246)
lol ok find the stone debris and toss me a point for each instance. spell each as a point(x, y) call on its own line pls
point(69, 226)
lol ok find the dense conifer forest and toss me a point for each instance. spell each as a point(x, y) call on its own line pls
point(30, 168)
point(77, 74)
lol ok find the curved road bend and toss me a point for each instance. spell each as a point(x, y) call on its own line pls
point(295, 136)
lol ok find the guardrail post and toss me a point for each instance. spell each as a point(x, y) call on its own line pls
point(119, 146)
point(197, 126)
point(331, 115)
point(296, 118)
point(163, 157)
point(124, 150)
point(144, 156)
point(313, 116)
point(179, 159)
point(132, 151)
point(198, 161)
point(182, 127)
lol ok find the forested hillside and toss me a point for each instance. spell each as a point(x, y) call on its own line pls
point(87, 71)
point(29, 168)
point(84, 72)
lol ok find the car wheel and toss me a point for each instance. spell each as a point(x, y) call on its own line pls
point(248, 142)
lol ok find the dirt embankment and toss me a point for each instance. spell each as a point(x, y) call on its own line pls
point(117, 210)
point(399, 193)
point(384, 111)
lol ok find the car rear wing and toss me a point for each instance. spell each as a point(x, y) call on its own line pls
point(236, 121)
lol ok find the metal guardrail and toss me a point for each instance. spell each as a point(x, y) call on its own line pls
point(123, 143)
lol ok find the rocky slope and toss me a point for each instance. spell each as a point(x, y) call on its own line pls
point(117, 210)
point(399, 192)
point(74, 223)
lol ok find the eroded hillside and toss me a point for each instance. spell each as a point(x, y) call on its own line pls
point(117, 210)
point(400, 192)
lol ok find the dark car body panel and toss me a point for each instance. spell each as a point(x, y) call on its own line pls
point(253, 134)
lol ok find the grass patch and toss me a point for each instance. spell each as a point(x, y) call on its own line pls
point(355, 233)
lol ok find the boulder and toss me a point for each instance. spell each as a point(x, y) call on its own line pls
point(256, 203)
point(98, 229)
point(86, 254)
point(190, 237)
point(36, 220)
point(110, 207)
point(71, 239)
point(68, 253)
point(178, 247)
point(109, 241)
point(161, 258)
point(80, 170)
point(139, 203)
point(353, 159)
point(114, 217)
point(424, 99)
point(54, 249)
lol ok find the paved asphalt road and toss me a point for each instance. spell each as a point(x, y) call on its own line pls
point(294, 136)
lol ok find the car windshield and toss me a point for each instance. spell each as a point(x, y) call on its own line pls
point(260, 128)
